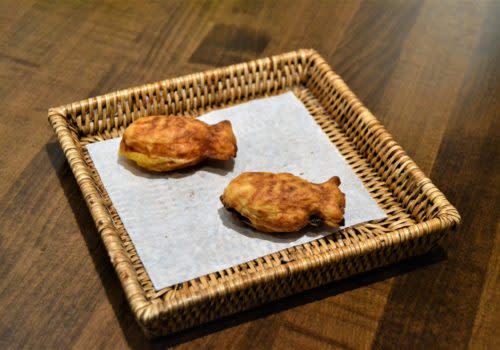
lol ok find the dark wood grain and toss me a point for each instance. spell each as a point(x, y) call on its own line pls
point(429, 70)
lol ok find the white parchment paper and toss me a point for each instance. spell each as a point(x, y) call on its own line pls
point(176, 221)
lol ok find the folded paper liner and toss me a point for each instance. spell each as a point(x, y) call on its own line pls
point(176, 221)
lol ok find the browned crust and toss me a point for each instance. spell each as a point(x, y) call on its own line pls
point(284, 202)
point(163, 143)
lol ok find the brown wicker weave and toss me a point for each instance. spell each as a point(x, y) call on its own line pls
point(418, 213)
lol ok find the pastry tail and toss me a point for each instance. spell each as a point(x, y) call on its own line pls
point(333, 209)
point(222, 145)
point(333, 181)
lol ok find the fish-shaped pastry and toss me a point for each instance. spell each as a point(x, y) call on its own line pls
point(164, 143)
point(283, 202)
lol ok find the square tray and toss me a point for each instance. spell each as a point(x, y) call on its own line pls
point(418, 213)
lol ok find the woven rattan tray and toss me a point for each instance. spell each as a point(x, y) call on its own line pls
point(418, 213)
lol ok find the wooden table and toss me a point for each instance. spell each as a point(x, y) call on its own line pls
point(429, 70)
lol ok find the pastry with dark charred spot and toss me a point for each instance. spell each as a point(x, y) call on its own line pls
point(165, 143)
point(283, 202)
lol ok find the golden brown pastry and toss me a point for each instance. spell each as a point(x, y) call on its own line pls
point(283, 202)
point(164, 143)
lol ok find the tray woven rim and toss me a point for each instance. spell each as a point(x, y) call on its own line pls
point(150, 312)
